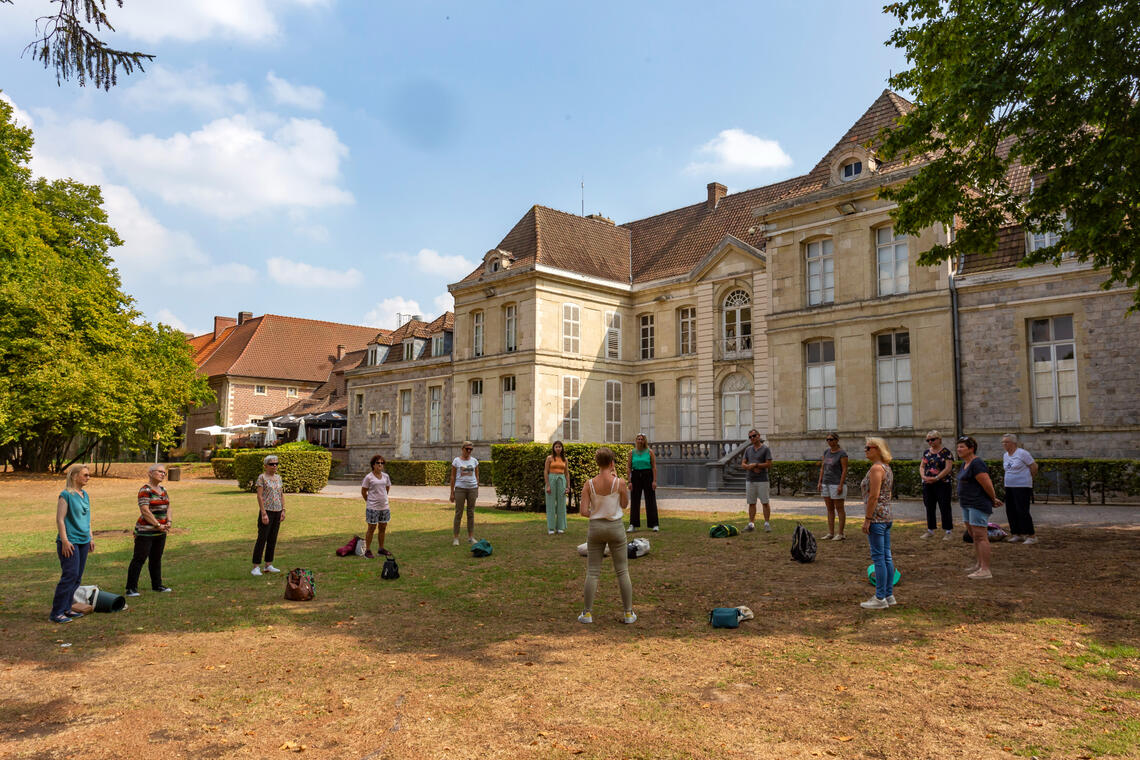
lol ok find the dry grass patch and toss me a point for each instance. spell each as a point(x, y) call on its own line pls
point(465, 657)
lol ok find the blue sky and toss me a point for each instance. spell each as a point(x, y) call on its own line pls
point(346, 160)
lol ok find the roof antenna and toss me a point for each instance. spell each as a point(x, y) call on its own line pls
point(583, 195)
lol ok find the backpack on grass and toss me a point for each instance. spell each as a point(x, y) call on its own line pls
point(481, 548)
point(723, 530)
point(349, 548)
point(390, 571)
point(803, 544)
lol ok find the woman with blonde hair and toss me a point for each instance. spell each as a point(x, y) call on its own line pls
point(73, 543)
point(603, 500)
point(877, 485)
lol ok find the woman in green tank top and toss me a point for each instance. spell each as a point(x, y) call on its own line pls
point(642, 466)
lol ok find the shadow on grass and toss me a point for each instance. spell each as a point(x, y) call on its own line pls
point(448, 603)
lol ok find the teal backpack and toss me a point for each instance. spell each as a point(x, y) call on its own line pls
point(481, 548)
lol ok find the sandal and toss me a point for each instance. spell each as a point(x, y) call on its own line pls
point(61, 618)
point(73, 614)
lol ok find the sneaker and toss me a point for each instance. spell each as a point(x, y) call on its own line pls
point(255, 571)
point(471, 539)
point(550, 533)
point(875, 603)
point(948, 535)
point(840, 537)
point(1013, 539)
point(585, 617)
point(629, 617)
point(132, 592)
point(160, 590)
point(368, 554)
point(767, 527)
point(827, 537)
point(980, 575)
point(631, 529)
point(561, 532)
point(271, 569)
point(891, 600)
point(1030, 540)
point(751, 527)
point(455, 541)
point(927, 534)
point(656, 528)
point(972, 569)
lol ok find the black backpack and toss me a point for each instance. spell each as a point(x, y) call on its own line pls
point(803, 544)
point(390, 571)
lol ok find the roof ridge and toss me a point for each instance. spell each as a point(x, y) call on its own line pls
point(317, 321)
point(537, 234)
point(722, 200)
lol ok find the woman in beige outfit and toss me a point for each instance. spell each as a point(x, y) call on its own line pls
point(603, 500)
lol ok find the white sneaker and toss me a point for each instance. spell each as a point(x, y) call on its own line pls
point(656, 528)
point(550, 533)
point(767, 527)
point(455, 541)
point(271, 569)
point(827, 537)
point(255, 571)
point(927, 534)
point(629, 617)
point(1030, 540)
point(840, 537)
point(891, 600)
point(948, 535)
point(561, 532)
point(875, 603)
point(630, 529)
point(1013, 539)
point(471, 539)
point(585, 617)
point(751, 527)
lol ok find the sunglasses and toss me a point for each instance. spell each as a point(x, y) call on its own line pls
point(868, 448)
point(832, 440)
point(964, 439)
point(270, 464)
point(932, 440)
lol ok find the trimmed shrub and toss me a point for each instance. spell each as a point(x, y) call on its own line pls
point(223, 468)
point(223, 453)
point(299, 446)
point(301, 471)
point(518, 472)
point(422, 472)
point(191, 457)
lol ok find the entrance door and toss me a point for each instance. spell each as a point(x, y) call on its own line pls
point(736, 407)
point(405, 424)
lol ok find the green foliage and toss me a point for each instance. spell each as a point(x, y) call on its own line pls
point(419, 472)
point(1046, 84)
point(80, 367)
point(223, 453)
point(518, 471)
point(301, 471)
point(299, 446)
point(223, 467)
point(191, 457)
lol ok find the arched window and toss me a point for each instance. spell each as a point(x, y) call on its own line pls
point(736, 407)
point(736, 336)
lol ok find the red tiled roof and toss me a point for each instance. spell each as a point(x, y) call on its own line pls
point(278, 347)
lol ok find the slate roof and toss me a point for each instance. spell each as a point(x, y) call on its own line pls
point(278, 347)
point(415, 328)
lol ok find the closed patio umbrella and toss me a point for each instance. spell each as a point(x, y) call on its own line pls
point(271, 435)
point(301, 430)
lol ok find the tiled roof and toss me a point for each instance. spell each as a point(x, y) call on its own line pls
point(331, 395)
point(414, 328)
point(284, 348)
point(445, 321)
point(202, 346)
point(1011, 250)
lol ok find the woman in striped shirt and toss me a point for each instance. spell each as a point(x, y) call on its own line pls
point(150, 531)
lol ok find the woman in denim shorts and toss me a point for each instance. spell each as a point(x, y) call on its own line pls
point(978, 500)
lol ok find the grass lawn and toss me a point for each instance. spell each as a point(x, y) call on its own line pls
point(476, 658)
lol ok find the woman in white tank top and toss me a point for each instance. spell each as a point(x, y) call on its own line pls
point(603, 500)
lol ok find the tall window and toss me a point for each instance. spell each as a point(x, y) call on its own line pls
point(435, 413)
point(613, 411)
point(646, 336)
point(891, 255)
point(385, 423)
point(1054, 357)
point(687, 409)
point(510, 327)
point(893, 352)
point(737, 322)
point(372, 423)
point(613, 335)
point(571, 329)
point(821, 385)
point(476, 410)
point(820, 272)
point(477, 332)
point(647, 392)
point(409, 350)
point(508, 407)
point(571, 415)
point(437, 345)
point(360, 403)
point(686, 330)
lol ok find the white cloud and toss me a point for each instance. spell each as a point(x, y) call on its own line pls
point(230, 168)
point(300, 274)
point(444, 302)
point(160, 88)
point(383, 315)
point(434, 262)
point(22, 117)
point(297, 95)
point(735, 151)
point(250, 20)
point(167, 317)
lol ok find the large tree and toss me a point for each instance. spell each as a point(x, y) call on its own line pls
point(68, 41)
point(78, 366)
point(1051, 87)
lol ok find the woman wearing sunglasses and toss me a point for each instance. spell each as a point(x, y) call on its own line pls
point(937, 464)
point(464, 491)
point(877, 485)
point(833, 485)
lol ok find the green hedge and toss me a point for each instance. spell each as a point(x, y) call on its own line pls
point(223, 453)
point(301, 471)
point(418, 472)
point(518, 472)
point(223, 468)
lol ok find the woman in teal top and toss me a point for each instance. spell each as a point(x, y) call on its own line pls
point(642, 466)
point(73, 544)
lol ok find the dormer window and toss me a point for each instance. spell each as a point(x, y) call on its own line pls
point(496, 260)
point(409, 350)
point(437, 345)
point(851, 170)
point(495, 265)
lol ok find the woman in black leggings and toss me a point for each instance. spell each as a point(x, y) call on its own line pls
point(642, 466)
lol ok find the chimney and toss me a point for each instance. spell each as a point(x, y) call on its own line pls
point(340, 352)
point(716, 192)
point(601, 218)
point(244, 316)
point(221, 323)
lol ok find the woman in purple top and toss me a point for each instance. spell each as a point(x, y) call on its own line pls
point(937, 465)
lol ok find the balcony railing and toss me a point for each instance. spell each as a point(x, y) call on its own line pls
point(735, 347)
point(695, 451)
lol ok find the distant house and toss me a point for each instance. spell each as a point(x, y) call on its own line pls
point(258, 366)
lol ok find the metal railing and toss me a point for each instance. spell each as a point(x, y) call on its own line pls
point(734, 347)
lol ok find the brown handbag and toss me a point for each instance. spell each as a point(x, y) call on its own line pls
point(300, 585)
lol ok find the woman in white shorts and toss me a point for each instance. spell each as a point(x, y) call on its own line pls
point(833, 486)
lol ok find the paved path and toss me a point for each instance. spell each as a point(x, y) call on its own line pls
point(691, 500)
